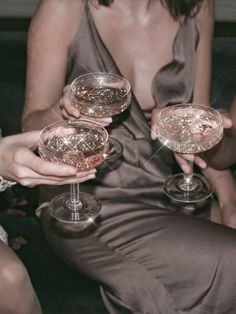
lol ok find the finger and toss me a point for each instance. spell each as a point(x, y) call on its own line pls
point(105, 120)
point(200, 162)
point(65, 115)
point(67, 89)
point(189, 157)
point(33, 181)
point(81, 174)
point(227, 122)
point(184, 159)
point(70, 108)
point(47, 168)
point(29, 177)
point(183, 163)
point(72, 180)
point(101, 121)
point(29, 138)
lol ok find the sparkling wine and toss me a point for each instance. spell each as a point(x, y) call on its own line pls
point(189, 130)
point(101, 102)
point(84, 149)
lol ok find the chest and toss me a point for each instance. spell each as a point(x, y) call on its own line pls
point(139, 49)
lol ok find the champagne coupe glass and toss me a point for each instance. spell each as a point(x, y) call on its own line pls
point(102, 95)
point(82, 144)
point(189, 128)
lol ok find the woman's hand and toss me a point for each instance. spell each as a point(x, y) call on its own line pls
point(222, 156)
point(67, 109)
point(227, 121)
point(71, 112)
point(182, 159)
point(19, 163)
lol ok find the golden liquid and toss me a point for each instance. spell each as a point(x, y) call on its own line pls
point(101, 102)
point(189, 130)
point(82, 150)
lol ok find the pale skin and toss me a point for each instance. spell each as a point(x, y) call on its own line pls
point(223, 181)
point(17, 293)
point(19, 163)
point(226, 149)
point(142, 22)
point(134, 45)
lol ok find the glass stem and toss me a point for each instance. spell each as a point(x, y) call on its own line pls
point(189, 184)
point(74, 203)
point(188, 176)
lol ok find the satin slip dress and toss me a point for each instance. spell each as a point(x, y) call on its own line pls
point(147, 256)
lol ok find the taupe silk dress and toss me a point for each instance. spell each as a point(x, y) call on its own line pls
point(146, 255)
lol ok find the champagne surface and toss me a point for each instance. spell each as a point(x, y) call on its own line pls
point(189, 130)
point(101, 102)
point(83, 150)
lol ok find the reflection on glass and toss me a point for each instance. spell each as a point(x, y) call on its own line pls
point(189, 129)
point(82, 144)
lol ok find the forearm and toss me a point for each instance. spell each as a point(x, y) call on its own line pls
point(223, 184)
point(38, 119)
point(47, 57)
point(224, 154)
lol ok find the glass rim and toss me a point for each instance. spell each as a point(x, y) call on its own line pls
point(62, 123)
point(96, 74)
point(192, 104)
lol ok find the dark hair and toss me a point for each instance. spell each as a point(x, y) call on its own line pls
point(176, 8)
point(105, 2)
point(185, 8)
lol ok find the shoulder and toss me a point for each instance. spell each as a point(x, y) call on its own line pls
point(57, 18)
point(205, 15)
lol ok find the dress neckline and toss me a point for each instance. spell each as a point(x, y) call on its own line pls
point(161, 69)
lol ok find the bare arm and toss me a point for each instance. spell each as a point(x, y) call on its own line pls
point(224, 155)
point(19, 163)
point(51, 32)
point(201, 90)
point(222, 181)
point(205, 19)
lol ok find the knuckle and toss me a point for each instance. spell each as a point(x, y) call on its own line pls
point(18, 155)
point(19, 173)
point(25, 182)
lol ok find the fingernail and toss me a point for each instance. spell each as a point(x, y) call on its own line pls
point(202, 165)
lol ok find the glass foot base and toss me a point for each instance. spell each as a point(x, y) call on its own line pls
point(86, 215)
point(176, 189)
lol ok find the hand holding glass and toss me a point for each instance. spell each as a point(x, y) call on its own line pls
point(102, 95)
point(189, 129)
point(82, 144)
